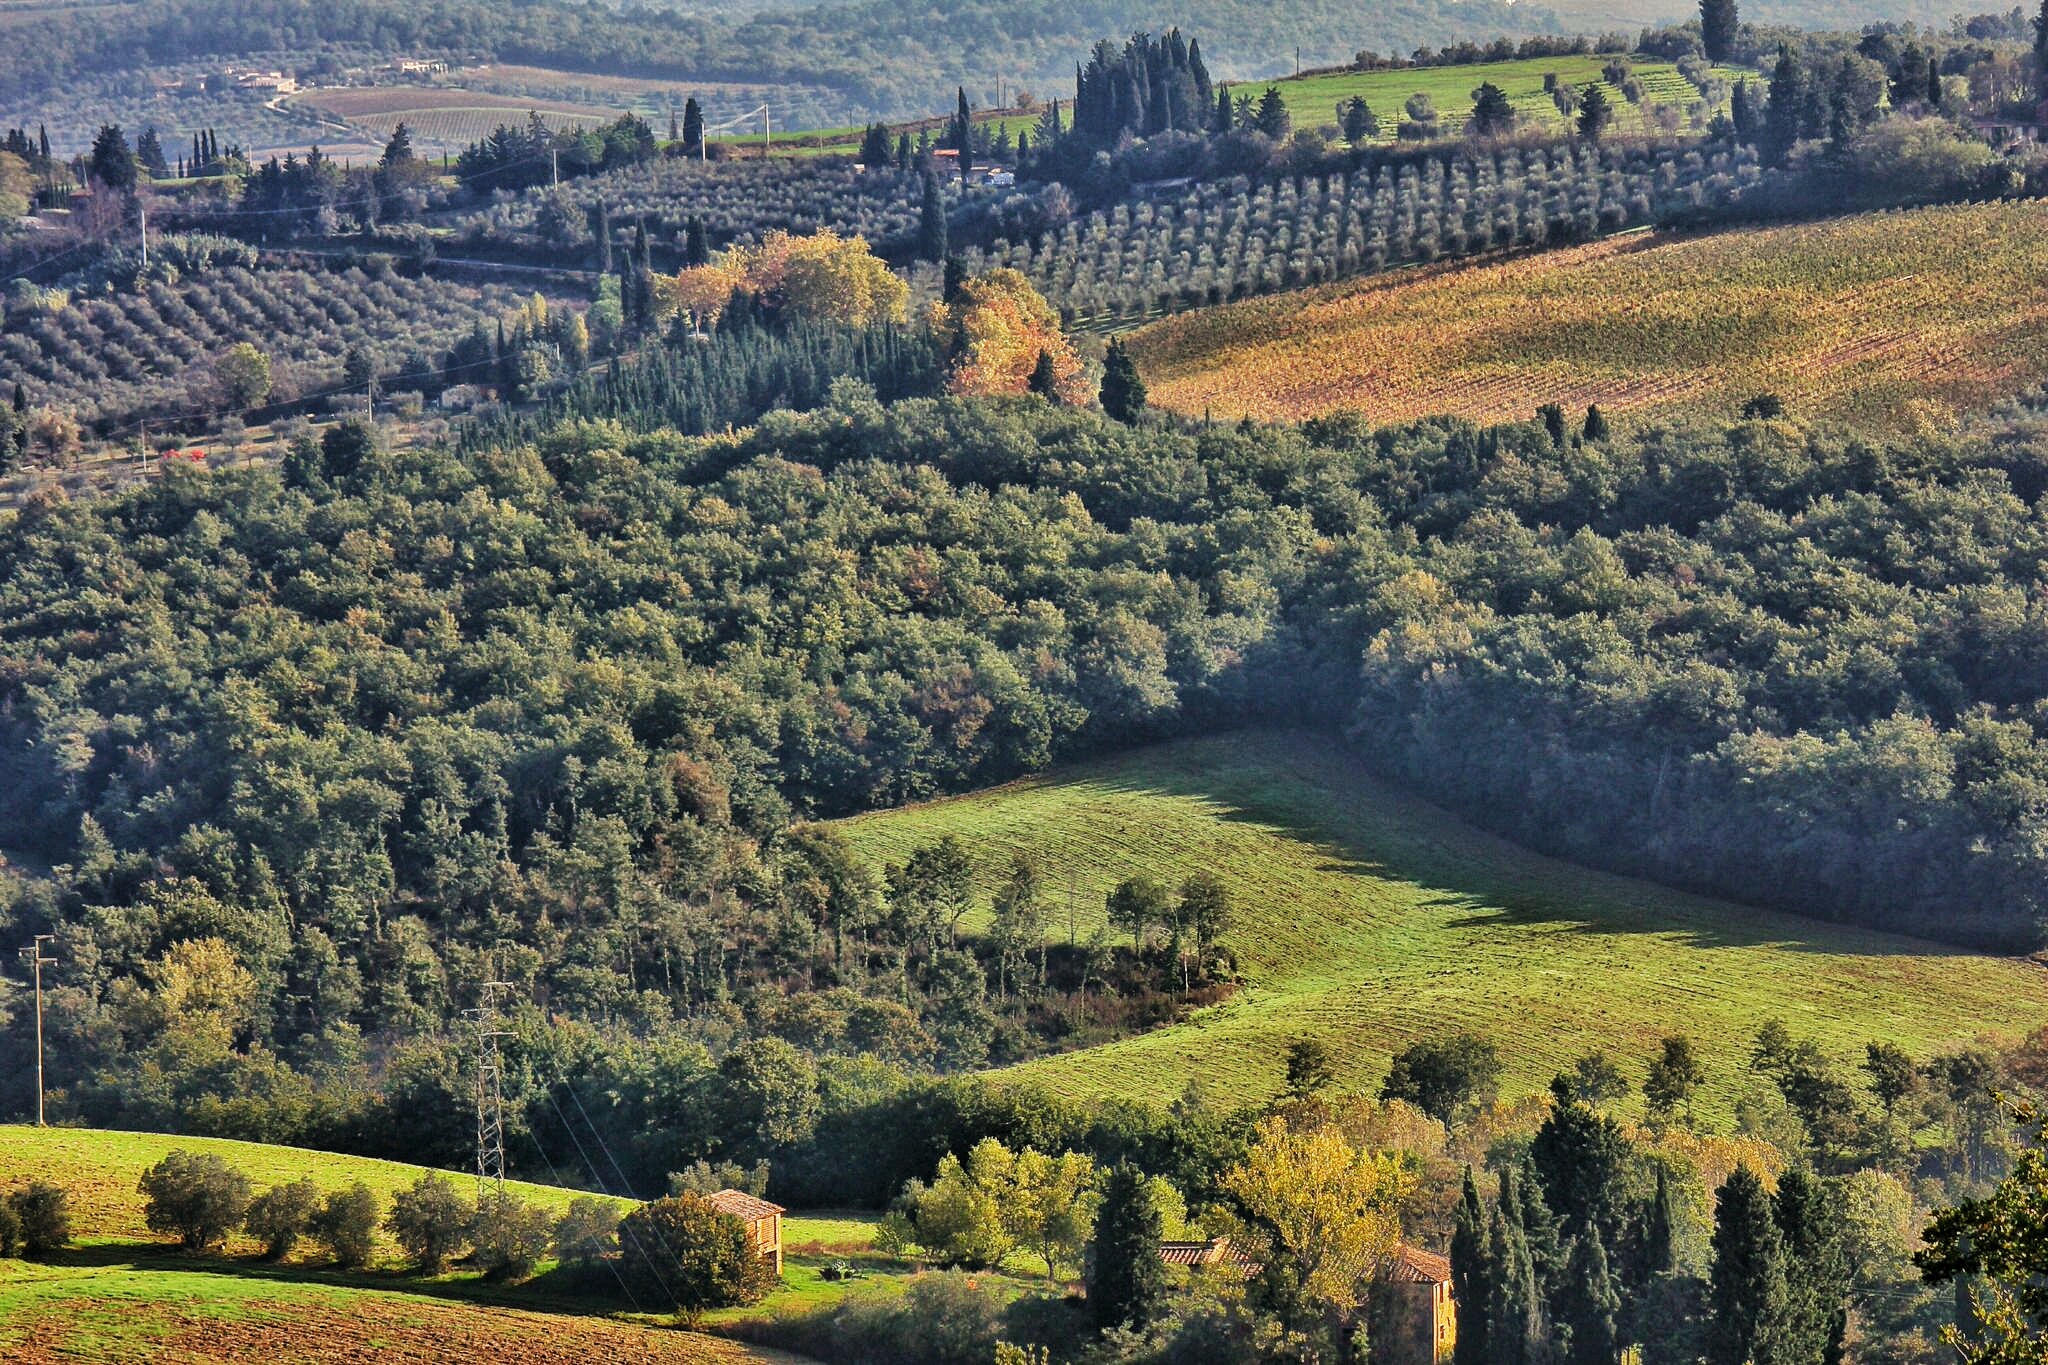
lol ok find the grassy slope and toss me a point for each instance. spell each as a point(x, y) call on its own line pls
point(124, 1295)
point(1370, 919)
point(1888, 320)
point(1313, 100)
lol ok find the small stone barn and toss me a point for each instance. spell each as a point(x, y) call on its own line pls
point(763, 1220)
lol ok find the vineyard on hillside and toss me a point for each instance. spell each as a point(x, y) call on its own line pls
point(1888, 321)
point(1227, 240)
point(149, 350)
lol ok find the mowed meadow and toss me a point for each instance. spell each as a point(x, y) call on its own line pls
point(127, 1294)
point(1889, 321)
point(1369, 919)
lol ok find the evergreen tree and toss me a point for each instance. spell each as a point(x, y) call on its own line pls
point(1360, 125)
point(603, 229)
point(2041, 47)
point(1580, 1155)
point(1934, 81)
point(110, 163)
point(1123, 390)
point(1782, 118)
point(1743, 113)
point(1588, 1304)
point(675, 133)
point(643, 275)
point(1273, 119)
point(1552, 417)
point(693, 127)
point(1809, 1214)
point(952, 280)
point(874, 147)
point(931, 221)
point(963, 135)
point(398, 152)
point(1126, 1278)
point(1718, 29)
point(149, 150)
point(1492, 114)
point(696, 242)
point(1514, 1322)
point(1044, 380)
point(1660, 1231)
point(1223, 119)
point(1596, 424)
point(1472, 1274)
point(1746, 1289)
point(1595, 113)
point(903, 151)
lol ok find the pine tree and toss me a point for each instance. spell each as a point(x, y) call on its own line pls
point(1588, 1303)
point(1273, 119)
point(1746, 1289)
point(931, 221)
point(1718, 29)
point(1492, 113)
point(1126, 1278)
point(1472, 1274)
point(1123, 390)
point(111, 163)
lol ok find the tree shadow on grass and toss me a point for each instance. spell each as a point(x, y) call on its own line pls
point(567, 1291)
point(1312, 787)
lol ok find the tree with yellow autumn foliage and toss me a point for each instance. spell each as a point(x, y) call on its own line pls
point(1001, 332)
point(1330, 1211)
point(822, 277)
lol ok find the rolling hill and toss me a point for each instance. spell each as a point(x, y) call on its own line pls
point(1889, 321)
point(124, 1294)
point(1370, 919)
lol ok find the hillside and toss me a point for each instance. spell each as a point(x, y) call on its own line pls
point(1369, 919)
point(125, 1295)
point(1887, 321)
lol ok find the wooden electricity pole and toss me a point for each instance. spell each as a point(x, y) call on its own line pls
point(36, 960)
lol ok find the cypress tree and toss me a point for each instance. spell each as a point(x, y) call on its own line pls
point(1808, 1212)
point(1223, 109)
point(693, 125)
point(1782, 118)
point(1472, 1275)
point(1746, 1288)
point(1718, 28)
point(1044, 382)
point(953, 278)
point(1514, 1325)
point(675, 134)
point(1589, 1305)
point(1552, 417)
point(1933, 83)
point(903, 151)
point(931, 221)
point(1123, 390)
point(1596, 430)
point(604, 237)
point(1126, 1278)
point(696, 242)
point(2041, 46)
point(963, 136)
point(1660, 1251)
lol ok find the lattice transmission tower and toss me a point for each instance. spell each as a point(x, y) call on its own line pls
point(490, 1092)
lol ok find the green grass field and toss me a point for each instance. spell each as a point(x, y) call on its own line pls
point(124, 1293)
point(1370, 919)
point(1313, 100)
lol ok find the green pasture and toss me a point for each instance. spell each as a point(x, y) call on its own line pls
point(1370, 919)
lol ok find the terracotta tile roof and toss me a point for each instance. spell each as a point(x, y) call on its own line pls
point(740, 1204)
point(1411, 1266)
point(1215, 1251)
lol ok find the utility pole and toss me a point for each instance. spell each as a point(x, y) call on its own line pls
point(490, 1091)
point(555, 164)
point(34, 954)
point(142, 220)
point(767, 134)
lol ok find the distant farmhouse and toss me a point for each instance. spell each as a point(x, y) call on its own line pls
point(763, 1220)
point(1416, 1317)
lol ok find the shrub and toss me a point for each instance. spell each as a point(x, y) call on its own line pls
point(196, 1195)
point(347, 1224)
point(281, 1215)
point(588, 1232)
point(681, 1251)
point(509, 1236)
point(430, 1220)
point(10, 1229)
point(44, 1214)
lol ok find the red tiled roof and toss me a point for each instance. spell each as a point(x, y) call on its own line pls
point(740, 1204)
point(1215, 1251)
point(1418, 1267)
